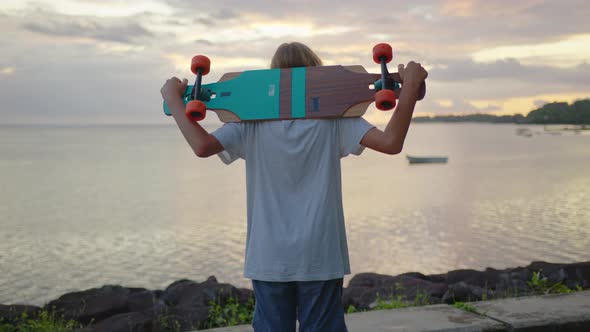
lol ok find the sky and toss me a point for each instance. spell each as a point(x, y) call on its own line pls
point(104, 61)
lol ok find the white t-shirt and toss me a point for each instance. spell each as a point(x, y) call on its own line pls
point(295, 226)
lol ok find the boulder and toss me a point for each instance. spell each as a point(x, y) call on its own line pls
point(244, 295)
point(577, 274)
point(143, 300)
point(126, 322)
point(189, 293)
point(463, 292)
point(571, 275)
point(189, 318)
point(185, 304)
point(362, 292)
point(189, 301)
point(93, 304)
point(513, 281)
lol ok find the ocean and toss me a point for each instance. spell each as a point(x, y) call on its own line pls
point(85, 206)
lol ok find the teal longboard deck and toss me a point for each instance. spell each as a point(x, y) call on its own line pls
point(292, 93)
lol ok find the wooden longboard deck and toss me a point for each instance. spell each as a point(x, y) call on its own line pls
point(292, 93)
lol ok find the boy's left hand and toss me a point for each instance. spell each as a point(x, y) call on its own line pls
point(173, 88)
point(413, 73)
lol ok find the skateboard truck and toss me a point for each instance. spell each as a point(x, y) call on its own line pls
point(385, 97)
point(391, 84)
point(196, 108)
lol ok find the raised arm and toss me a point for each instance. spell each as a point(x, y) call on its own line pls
point(202, 143)
point(391, 140)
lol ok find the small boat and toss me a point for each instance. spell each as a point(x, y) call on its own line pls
point(426, 160)
point(526, 132)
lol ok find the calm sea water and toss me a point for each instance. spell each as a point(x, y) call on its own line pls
point(86, 206)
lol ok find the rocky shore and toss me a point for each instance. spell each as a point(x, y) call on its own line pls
point(186, 303)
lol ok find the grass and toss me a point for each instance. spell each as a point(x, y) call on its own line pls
point(396, 301)
point(45, 321)
point(231, 314)
point(168, 323)
point(464, 306)
point(541, 285)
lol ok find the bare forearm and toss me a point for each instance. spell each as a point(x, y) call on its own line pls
point(397, 127)
point(391, 140)
point(196, 136)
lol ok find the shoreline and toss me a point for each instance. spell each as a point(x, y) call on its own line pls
point(189, 302)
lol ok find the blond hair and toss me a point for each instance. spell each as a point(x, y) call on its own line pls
point(294, 54)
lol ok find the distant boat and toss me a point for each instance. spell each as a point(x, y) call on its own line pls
point(526, 132)
point(426, 160)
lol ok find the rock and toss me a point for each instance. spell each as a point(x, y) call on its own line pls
point(484, 279)
point(189, 300)
point(577, 274)
point(95, 303)
point(174, 291)
point(189, 317)
point(186, 292)
point(416, 275)
point(362, 291)
point(352, 296)
point(466, 284)
point(545, 266)
point(513, 281)
point(370, 280)
point(571, 275)
point(363, 288)
point(463, 292)
point(126, 322)
point(244, 295)
point(411, 288)
point(185, 304)
point(143, 300)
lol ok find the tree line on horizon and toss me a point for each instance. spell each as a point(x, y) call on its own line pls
point(552, 113)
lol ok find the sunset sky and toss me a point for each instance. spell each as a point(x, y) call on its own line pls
point(104, 61)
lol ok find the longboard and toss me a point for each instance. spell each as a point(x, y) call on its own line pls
point(293, 93)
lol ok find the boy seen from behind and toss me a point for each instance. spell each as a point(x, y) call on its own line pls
point(296, 249)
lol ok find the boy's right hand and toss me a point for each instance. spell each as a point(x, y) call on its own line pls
point(173, 88)
point(414, 74)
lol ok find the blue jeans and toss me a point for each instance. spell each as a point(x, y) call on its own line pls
point(317, 305)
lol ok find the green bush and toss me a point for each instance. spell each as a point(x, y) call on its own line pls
point(464, 306)
point(541, 285)
point(45, 321)
point(231, 314)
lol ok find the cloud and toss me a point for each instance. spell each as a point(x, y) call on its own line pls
point(85, 27)
point(7, 70)
point(456, 105)
point(469, 70)
point(204, 42)
point(173, 21)
point(224, 13)
point(562, 53)
point(540, 102)
point(490, 108)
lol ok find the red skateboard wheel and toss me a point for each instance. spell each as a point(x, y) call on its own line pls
point(385, 100)
point(381, 50)
point(195, 110)
point(200, 62)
